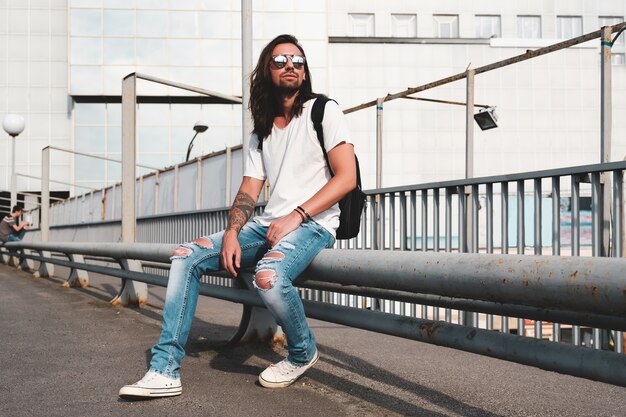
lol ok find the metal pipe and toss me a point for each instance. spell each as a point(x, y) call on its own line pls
point(570, 317)
point(469, 124)
point(379, 142)
point(591, 285)
point(588, 363)
point(529, 54)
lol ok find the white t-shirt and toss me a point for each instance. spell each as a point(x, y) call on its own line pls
point(293, 163)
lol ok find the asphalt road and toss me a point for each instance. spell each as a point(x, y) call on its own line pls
point(66, 352)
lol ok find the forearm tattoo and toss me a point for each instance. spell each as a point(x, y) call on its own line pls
point(240, 212)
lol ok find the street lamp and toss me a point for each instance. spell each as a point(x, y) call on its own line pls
point(13, 124)
point(199, 127)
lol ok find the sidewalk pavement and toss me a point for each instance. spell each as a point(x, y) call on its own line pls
point(66, 352)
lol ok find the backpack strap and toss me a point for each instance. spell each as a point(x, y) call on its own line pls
point(317, 115)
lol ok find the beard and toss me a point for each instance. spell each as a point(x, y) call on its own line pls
point(287, 91)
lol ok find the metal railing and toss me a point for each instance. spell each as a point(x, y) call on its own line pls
point(575, 290)
point(534, 213)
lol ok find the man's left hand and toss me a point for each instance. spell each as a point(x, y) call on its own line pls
point(282, 227)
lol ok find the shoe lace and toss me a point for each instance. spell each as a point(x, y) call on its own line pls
point(148, 377)
point(285, 366)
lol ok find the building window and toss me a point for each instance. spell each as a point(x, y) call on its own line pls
point(404, 25)
point(568, 27)
point(618, 59)
point(487, 26)
point(446, 25)
point(529, 27)
point(361, 24)
point(610, 21)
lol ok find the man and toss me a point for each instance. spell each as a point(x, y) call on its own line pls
point(299, 220)
point(10, 231)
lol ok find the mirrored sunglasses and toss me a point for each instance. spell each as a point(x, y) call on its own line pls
point(281, 60)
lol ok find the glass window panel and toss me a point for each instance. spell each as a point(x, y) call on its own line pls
point(487, 26)
point(86, 22)
point(86, 80)
point(155, 160)
point(152, 23)
point(153, 139)
point(153, 4)
point(153, 114)
point(184, 52)
point(119, 22)
point(361, 24)
point(568, 27)
point(118, 4)
point(114, 171)
point(446, 26)
point(114, 114)
point(529, 27)
point(119, 51)
point(183, 24)
point(610, 21)
point(89, 139)
point(152, 52)
point(618, 59)
point(89, 169)
point(86, 51)
point(114, 139)
point(404, 25)
point(89, 113)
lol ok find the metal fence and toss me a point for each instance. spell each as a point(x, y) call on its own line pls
point(553, 212)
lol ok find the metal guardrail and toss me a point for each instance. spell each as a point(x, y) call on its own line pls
point(578, 290)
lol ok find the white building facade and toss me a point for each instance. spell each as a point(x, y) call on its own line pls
point(63, 61)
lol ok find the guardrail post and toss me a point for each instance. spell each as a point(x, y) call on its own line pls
point(78, 277)
point(256, 322)
point(132, 292)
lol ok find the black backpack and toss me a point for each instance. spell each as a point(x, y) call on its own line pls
point(352, 204)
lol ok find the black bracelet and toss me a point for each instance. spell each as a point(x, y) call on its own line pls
point(308, 216)
point(300, 213)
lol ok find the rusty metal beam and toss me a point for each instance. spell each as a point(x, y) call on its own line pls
point(529, 54)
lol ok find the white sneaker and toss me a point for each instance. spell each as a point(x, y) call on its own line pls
point(284, 373)
point(153, 384)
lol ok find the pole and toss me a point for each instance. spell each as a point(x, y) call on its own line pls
point(246, 69)
point(13, 176)
point(379, 142)
point(45, 194)
point(129, 103)
point(606, 133)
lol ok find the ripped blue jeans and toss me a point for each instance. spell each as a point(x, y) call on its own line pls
point(276, 268)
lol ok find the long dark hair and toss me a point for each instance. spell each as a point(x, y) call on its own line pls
point(264, 103)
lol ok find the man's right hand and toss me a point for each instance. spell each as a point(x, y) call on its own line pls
point(231, 252)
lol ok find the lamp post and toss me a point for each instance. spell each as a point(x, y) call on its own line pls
point(199, 127)
point(13, 124)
